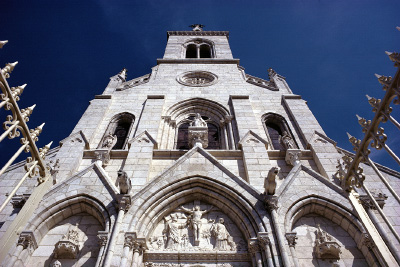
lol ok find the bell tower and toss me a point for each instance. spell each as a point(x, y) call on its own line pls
point(198, 44)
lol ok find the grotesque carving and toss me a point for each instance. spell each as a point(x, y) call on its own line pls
point(56, 264)
point(68, 246)
point(123, 182)
point(325, 246)
point(270, 181)
point(287, 141)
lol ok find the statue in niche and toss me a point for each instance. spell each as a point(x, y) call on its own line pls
point(109, 141)
point(172, 232)
point(198, 121)
point(123, 182)
point(221, 235)
point(287, 141)
point(195, 221)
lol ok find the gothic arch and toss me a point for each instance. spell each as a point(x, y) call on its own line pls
point(335, 213)
point(120, 125)
point(198, 48)
point(162, 200)
point(48, 216)
point(275, 125)
point(215, 114)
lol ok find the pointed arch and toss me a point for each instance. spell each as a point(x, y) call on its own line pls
point(334, 212)
point(199, 48)
point(179, 116)
point(160, 200)
point(275, 125)
point(120, 125)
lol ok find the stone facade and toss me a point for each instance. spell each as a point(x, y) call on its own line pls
point(197, 164)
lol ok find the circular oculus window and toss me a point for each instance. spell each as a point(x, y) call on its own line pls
point(197, 78)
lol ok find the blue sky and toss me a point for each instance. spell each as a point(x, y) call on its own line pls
point(327, 50)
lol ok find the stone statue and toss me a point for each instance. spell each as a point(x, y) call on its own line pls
point(195, 221)
point(221, 235)
point(287, 141)
point(172, 232)
point(198, 121)
point(56, 264)
point(109, 141)
point(270, 181)
point(123, 182)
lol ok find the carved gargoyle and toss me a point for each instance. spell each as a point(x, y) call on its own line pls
point(270, 181)
point(123, 182)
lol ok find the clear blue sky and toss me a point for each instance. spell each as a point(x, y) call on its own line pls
point(327, 50)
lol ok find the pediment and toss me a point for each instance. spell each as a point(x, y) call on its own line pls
point(90, 181)
point(142, 139)
point(252, 139)
point(76, 137)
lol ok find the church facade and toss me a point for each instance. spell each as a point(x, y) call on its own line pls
point(199, 164)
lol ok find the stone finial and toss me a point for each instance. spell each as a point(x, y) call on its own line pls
point(123, 74)
point(197, 27)
point(270, 181)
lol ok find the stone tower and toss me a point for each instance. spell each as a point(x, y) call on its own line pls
point(197, 164)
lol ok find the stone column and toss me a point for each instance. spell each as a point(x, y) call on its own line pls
point(130, 238)
point(103, 238)
point(264, 242)
point(26, 240)
point(138, 249)
point(224, 134)
point(291, 238)
point(229, 132)
point(254, 249)
point(272, 204)
point(124, 205)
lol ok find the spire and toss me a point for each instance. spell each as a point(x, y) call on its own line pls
point(197, 27)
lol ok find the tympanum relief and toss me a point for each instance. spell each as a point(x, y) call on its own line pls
point(197, 227)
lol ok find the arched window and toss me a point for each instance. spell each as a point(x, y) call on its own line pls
point(183, 136)
point(199, 48)
point(276, 127)
point(120, 127)
point(191, 51)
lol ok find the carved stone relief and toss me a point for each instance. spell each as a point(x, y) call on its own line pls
point(68, 246)
point(325, 245)
point(197, 227)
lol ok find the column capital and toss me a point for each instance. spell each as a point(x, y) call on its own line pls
point(27, 240)
point(254, 246)
point(367, 241)
point(228, 118)
point(130, 239)
point(103, 238)
point(291, 238)
point(263, 240)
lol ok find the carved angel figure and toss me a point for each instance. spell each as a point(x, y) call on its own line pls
point(123, 182)
point(198, 121)
point(287, 141)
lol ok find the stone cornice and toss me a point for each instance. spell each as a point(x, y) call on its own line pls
point(198, 33)
point(197, 61)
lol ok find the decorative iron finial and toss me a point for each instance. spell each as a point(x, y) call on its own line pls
point(197, 27)
point(398, 28)
point(2, 43)
point(395, 57)
point(384, 80)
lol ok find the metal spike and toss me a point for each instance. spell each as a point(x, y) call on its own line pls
point(2, 43)
point(368, 97)
point(398, 28)
point(49, 145)
point(40, 127)
point(358, 117)
point(349, 136)
point(395, 57)
point(378, 76)
point(12, 65)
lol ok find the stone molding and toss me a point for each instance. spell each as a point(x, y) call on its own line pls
point(198, 33)
point(261, 82)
